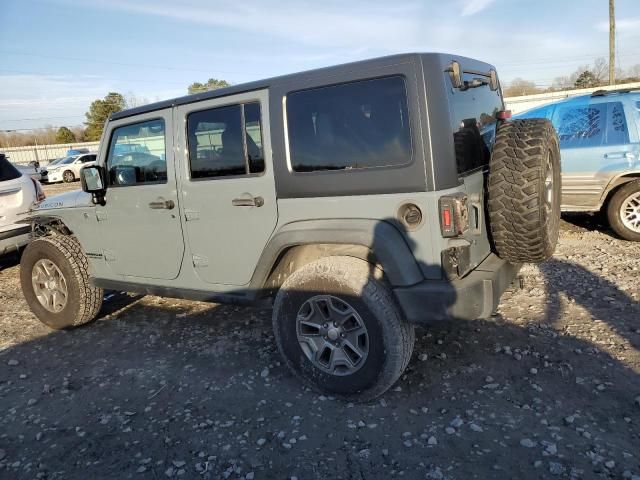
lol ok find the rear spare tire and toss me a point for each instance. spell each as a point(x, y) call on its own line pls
point(524, 191)
point(54, 274)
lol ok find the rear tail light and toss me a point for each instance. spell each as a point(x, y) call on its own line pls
point(39, 192)
point(503, 115)
point(454, 215)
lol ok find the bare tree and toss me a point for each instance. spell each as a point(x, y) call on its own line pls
point(600, 69)
point(520, 86)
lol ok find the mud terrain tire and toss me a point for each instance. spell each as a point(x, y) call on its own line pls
point(524, 189)
point(359, 285)
point(53, 258)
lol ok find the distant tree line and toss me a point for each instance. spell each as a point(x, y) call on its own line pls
point(585, 76)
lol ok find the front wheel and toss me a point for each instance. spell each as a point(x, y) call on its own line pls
point(623, 211)
point(339, 329)
point(68, 176)
point(54, 274)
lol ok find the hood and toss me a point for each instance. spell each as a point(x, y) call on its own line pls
point(73, 199)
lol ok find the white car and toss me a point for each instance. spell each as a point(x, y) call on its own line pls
point(67, 170)
point(18, 193)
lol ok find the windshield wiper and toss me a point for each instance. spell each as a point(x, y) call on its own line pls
point(474, 83)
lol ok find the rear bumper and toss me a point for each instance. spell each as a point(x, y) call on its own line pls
point(475, 296)
point(13, 239)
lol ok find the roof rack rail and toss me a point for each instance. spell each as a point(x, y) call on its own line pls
point(602, 93)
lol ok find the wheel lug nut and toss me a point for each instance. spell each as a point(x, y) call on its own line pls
point(342, 335)
point(335, 324)
point(325, 325)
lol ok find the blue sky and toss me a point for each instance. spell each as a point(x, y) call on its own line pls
point(59, 55)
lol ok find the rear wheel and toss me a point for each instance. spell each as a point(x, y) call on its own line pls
point(524, 189)
point(623, 211)
point(338, 327)
point(54, 274)
point(68, 176)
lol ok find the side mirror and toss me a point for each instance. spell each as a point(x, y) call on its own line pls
point(93, 180)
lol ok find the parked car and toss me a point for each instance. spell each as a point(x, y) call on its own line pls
point(68, 169)
point(31, 169)
point(76, 151)
point(18, 193)
point(600, 148)
point(352, 197)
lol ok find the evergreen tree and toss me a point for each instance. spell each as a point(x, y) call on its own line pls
point(64, 135)
point(212, 84)
point(99, 112)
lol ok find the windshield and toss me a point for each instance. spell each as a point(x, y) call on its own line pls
point(67, 160)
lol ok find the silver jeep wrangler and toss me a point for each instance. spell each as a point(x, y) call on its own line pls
point(360, 200)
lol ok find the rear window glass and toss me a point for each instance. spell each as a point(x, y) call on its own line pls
point(356, 125)
point(474, 121)
point(7, 170)
point(617, 133)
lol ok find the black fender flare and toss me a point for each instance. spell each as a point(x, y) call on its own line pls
point(382, 238)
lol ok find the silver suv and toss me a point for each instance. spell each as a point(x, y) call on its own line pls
point(18, 193)
point(359, 200)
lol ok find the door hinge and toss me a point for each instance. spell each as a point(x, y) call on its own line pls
point(190, 215)
point(200, 261)
point(109, 256)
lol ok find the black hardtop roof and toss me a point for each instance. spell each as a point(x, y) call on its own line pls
point(390, 60)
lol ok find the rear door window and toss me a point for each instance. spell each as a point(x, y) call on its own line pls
point(592, 125)
point(225, 141)
point(357, 125)
point(580, 126)
point(7, 170)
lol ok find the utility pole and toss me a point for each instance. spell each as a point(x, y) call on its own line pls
point(612, 43)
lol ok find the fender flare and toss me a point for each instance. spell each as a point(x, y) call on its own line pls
point(383, 239)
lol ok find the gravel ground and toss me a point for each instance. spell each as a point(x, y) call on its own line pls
point(158, 388)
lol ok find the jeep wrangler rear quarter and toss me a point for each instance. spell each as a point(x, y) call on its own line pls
point(360, 199)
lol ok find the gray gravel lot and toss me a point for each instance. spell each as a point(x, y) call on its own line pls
point(159, 388)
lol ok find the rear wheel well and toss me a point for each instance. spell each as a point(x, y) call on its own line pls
point(295, 257)
point(617, 185)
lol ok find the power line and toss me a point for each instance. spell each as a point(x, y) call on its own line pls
point(40, 118)
point(103, 62)
point(50, 127)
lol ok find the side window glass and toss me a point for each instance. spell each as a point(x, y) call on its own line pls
point(220, 145)
point(580, 126)
point(363, 124)
point(617, 133)
point(253, 132)
point(137, 154)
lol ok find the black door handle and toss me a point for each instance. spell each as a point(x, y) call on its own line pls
point(248, 202)
point(162, 205)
